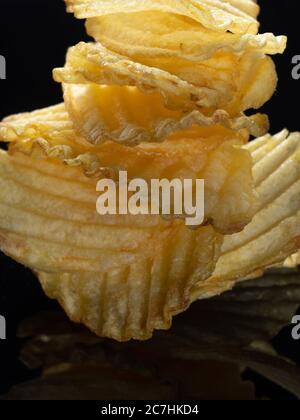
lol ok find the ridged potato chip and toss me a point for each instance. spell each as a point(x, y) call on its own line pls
point(172, 78)
point(139, 297)
point(234, 16)
point(49, 123)
point(274, 232)
point(128, 116)
point(233, 83)
point(213, 154)
point(112, 305)
point(48, 222)
point(179, 50)
point(157, 34)
point(248, 6)
point(93, 63)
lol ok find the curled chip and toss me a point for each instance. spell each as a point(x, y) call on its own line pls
point(274, 233)
point(49, 223)
point(52, 122)
point(157, 34)
point(248, 6)
point(132, 300)
point(124, 304)
point(212, 154)
point(128, 116)
point(233, 83)
point(234, 16)
point(93, 63)
point(201, 55)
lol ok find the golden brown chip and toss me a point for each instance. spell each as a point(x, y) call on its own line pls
point(270, 237)
point(157, 34)
point(48, 222)
point(234, 16)
point(142, 296)
point(52, 124)
point(230, 82)
point(128, 116)
point(93, 63)
point(212, 153)
point(274, 232)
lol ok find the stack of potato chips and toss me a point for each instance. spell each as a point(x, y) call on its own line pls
point(162, 94)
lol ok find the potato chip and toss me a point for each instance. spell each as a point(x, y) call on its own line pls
point(52, 124)
point(248, 6)
point(93, 63)
point(269, 237)
point(233, 83)
point(292, 261)
point(142, 296)
point(213, 154)
point(157, 34)
point(48, 222)
point(128, 116)
point(274, 232)
point(234, 16)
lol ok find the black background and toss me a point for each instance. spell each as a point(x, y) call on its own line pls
point(34, 36)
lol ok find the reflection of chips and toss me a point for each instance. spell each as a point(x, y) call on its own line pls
point(274, 233)
point(126, 115)
point(203, 153)
point(154, 34)
point(213, 14)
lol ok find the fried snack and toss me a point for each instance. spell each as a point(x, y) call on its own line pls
point(234, 16)
point(178, 50)
point(209, 153)
point(111, 303)
point(292, 261)
point(173, 79)
point(274, 233)
point(49, 223)
point(127, 116)
point(119, 121)
point(93, 63)
point(157, 34)
point(52, 122)
point(243, 81)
